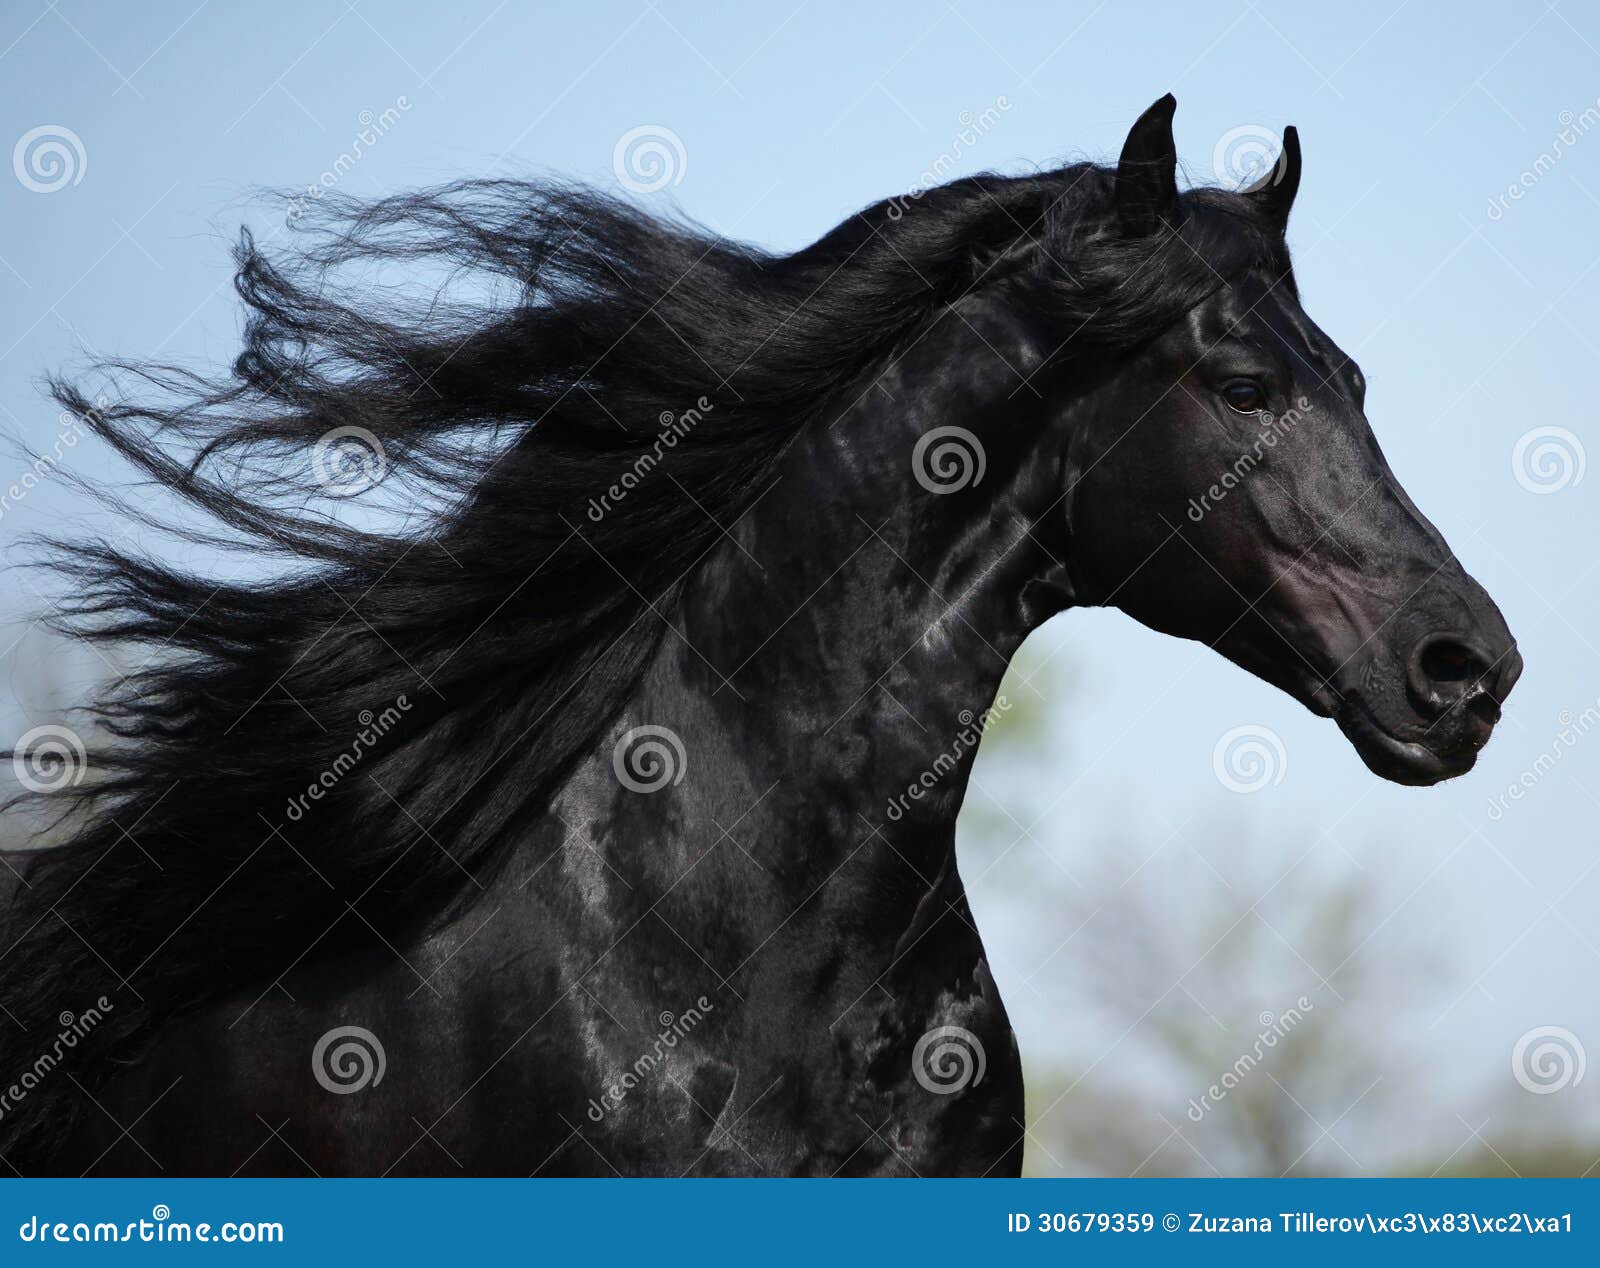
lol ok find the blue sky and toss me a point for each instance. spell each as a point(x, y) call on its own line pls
point(1476, 320)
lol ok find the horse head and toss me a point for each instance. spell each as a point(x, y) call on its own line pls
point(1225, 486)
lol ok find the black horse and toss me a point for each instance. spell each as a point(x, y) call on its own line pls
point(604, 822)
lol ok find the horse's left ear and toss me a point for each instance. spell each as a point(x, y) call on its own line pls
point(1274, 194)
point(1147, 173)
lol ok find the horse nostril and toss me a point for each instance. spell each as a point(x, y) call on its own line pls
point(1446, 670)
point(1444, 660)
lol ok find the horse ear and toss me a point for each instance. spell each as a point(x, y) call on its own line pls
point(1147, 173)
point(1275, 192)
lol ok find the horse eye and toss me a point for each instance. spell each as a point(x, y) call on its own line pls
point(1245, 396)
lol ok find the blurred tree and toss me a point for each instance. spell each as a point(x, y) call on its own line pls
point(1236, 1027)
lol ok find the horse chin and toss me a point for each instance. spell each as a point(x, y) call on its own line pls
point(1392, 758)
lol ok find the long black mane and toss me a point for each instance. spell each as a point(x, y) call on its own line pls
point(449, 671)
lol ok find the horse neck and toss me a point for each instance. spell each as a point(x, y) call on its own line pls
point(834, 662)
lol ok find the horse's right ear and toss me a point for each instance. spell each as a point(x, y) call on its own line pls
point(1147, 173)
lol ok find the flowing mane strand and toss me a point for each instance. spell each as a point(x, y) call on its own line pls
point(464, 666)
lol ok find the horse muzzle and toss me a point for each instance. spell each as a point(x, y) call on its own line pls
point(1422, 716)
